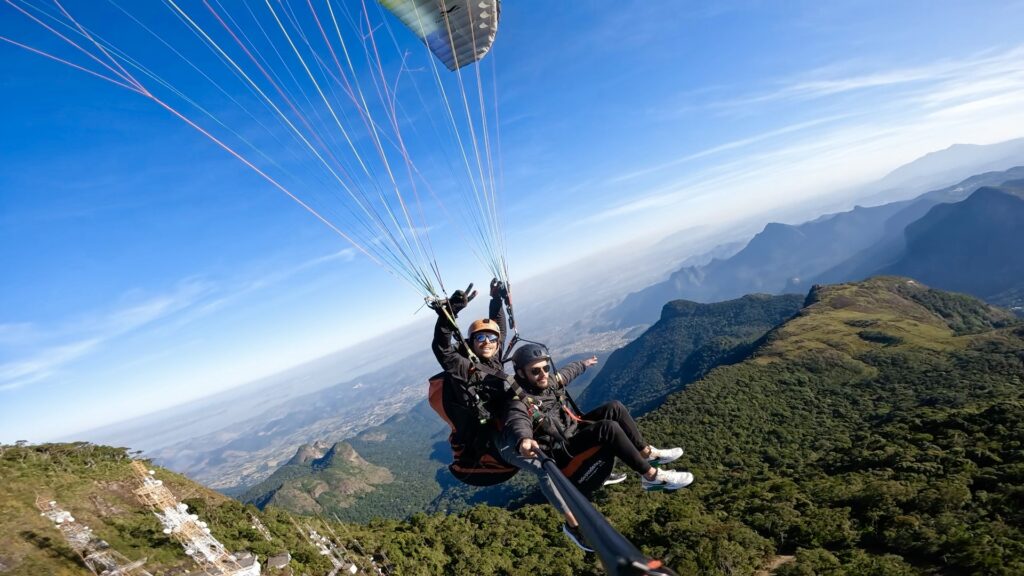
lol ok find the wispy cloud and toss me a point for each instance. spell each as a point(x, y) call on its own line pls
point(69, 343)
point(52, 351)
point(733, 145)
point(976, 99)
point(15, 332)
point(14, 375)
point(841, 79)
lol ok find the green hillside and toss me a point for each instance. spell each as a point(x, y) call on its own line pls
point(879, 432)
point(689, 340)
point(95, 484)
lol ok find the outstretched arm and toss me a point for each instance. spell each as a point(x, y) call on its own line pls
point(573, 370)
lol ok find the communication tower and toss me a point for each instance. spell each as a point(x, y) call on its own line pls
point(97, 555)
point(259, 527)
point(192, 533)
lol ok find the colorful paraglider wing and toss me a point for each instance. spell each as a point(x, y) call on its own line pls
point(458, 32)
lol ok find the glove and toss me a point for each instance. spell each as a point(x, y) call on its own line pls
point(498, 289)
point(460, 299)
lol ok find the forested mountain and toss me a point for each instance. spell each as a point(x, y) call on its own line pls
point(876, 432)
point(689, 340)
point(879, 432)
point(319, 479)
point(891, 245)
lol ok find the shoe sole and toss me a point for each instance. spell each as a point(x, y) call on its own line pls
point(665, 487)
point(576, 542)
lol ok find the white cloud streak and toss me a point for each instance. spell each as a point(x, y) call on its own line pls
point(733, 145)
point(69, 344)
point(835, 81)
point(51, 352)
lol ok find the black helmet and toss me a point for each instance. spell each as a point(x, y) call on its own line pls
point(528, 354)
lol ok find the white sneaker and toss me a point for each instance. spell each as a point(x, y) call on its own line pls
point(667, 480)
point(659, 456)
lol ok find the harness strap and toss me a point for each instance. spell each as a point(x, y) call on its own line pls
point(551, 425)
point(572, 415)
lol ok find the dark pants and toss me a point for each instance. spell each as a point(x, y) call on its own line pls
point(611, 426)
point(609, 432)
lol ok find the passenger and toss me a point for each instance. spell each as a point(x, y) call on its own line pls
point(545, 420)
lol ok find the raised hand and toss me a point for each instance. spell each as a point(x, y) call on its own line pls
point(498, 289)
point(461, 298)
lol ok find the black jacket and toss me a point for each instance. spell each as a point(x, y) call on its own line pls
point(544, 414)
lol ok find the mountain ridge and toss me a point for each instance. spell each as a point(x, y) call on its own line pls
point(318, 480)
point(971, 246)
point(688, 340)
point(833, 248)
point(953, 163)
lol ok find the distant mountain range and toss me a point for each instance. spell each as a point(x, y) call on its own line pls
point(935, 169)
point(775, 261)
point(974, 246)
point(247, 452)
point(840, 247)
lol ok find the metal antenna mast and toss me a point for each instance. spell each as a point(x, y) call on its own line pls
point(97, 555)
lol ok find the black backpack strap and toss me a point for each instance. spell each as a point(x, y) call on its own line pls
point(482, 413)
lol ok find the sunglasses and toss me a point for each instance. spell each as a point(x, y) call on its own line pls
point(485, 337)
point(545, 369)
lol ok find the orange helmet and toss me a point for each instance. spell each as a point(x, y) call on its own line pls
point(485, 324)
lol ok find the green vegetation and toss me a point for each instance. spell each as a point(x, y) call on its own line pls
point(95, 484)
point(325, 484)
point(859, 456)
point(689, 340)
point(896, 454)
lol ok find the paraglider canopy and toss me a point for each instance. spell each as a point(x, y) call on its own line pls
point(458, 32)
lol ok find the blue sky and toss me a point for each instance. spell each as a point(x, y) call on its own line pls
point(145, 267)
